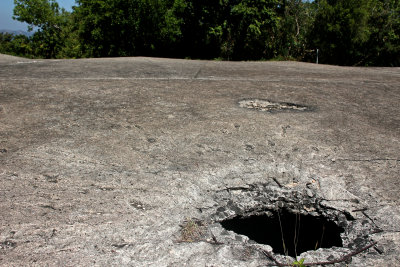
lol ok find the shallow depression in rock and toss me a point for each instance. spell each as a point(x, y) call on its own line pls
point(271, 106)
point(286, 232)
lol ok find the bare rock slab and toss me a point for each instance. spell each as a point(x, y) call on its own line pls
point(139, 161)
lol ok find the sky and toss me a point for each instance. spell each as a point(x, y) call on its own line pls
point(6, 13)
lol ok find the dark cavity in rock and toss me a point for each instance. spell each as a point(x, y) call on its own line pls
point(286, 232)
point(270, 106)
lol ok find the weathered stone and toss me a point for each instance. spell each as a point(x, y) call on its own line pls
point(103, 160)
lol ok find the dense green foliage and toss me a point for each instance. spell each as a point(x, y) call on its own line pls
point(19, 45)
point(346, 32)
point(51, 21)
point(357, 32)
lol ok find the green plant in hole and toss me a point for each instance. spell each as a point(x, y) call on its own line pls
point(296, 263)
point(299, 263)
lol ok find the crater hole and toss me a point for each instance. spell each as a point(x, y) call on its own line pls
point(286, 232)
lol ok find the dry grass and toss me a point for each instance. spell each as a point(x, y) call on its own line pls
point(193, 230)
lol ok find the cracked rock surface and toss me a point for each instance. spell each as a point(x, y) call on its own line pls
point(130, 161)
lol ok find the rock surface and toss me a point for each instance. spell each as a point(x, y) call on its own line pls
point(129, 161)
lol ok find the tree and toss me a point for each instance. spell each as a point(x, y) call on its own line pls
point(296, 19)
point(127, 28)
point(347, 32)
point(72, 45)
point(198, 19)
point(383, 46)
point(340, 30)
point(5, 42)
point(254, 26)
point(18, 45)
point(49, 18)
